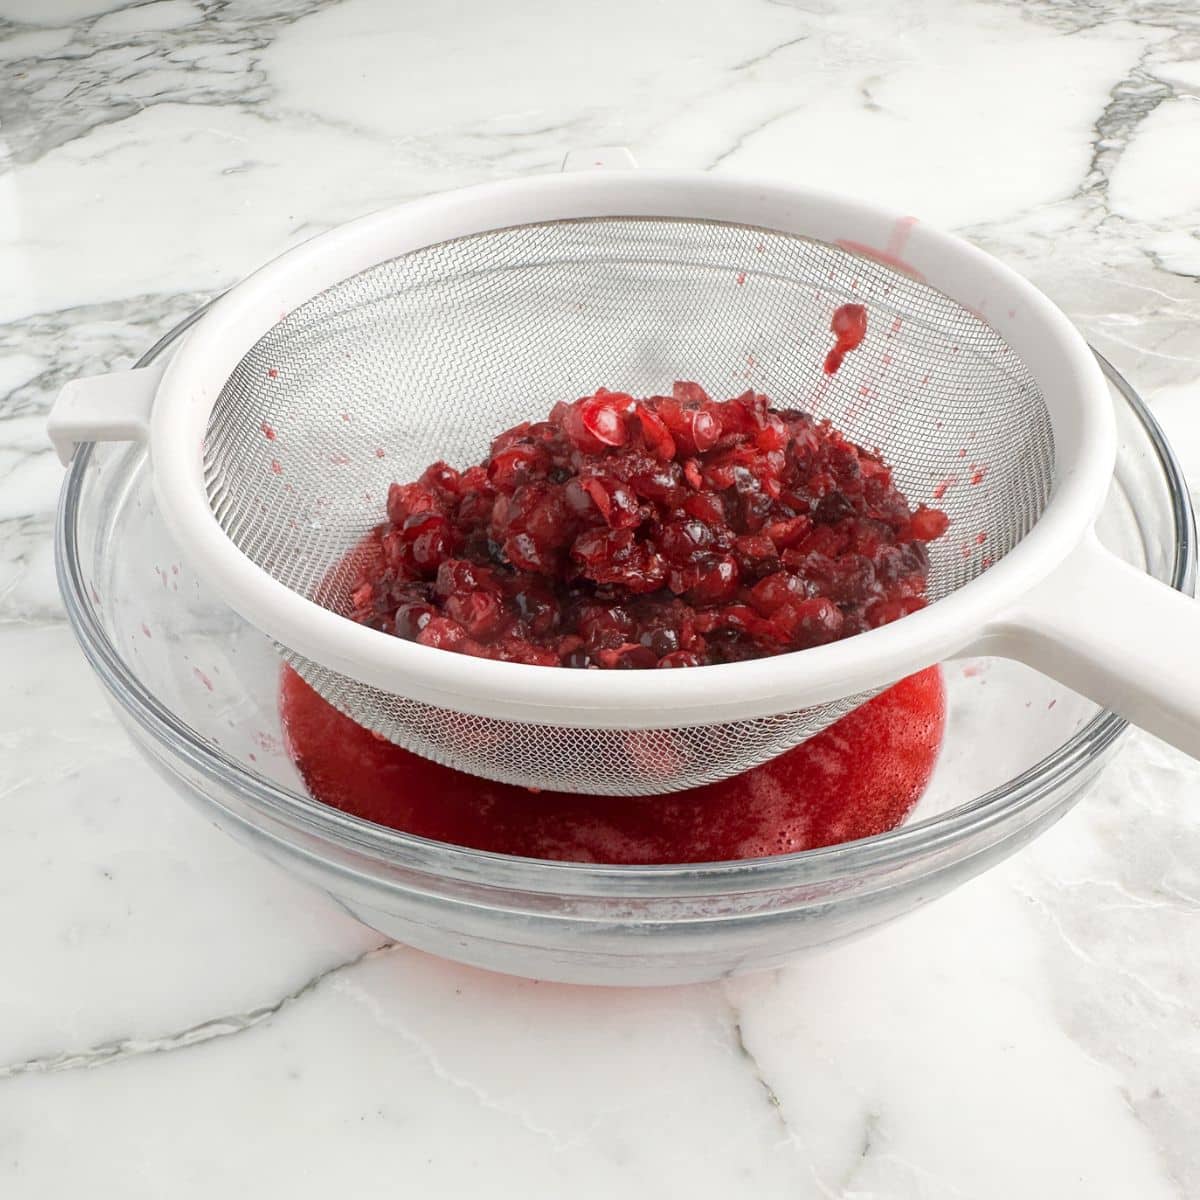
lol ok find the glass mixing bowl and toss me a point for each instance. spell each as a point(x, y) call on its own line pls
point(196, 688)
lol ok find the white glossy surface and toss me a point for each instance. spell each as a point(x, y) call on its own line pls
point(191, 1023)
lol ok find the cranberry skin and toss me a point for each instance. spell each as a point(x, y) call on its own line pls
point(536, 606)
point(405, 500)
point(628, 657)
point(685, 541)
point(430, 539)
point(622, 534)
point(480, 613)
point(613, 500)
point(788, 532)
point(694, 430)
point(602, 625)
point(680, 658)
point(687, 392)
point(812, 622)
point(773, 592)
point(460, 575)
point(444, 634)
point(410, 619)
point(662, 640)
point(714, 581)
point(884, 612)
point(927, 524)
point(517, 465)
point(603, 417)
point(442, 480)
point(533, 526)
point(655, 434)
point(705, 430)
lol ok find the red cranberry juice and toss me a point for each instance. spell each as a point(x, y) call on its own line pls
point(862, 776)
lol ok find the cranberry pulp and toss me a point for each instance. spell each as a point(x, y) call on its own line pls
point(849, 327)
point(859, 777)
point(674, 531)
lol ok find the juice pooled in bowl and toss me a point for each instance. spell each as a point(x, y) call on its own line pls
point(676, 531)
point(859, 777)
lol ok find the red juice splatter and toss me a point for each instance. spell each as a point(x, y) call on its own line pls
point(978, 474)
point(860, 777)
point(944, 486)
point(272, 373)
point(741, 277)
point(268, 431)
point(276, 468)
point(204, 679)
point(849, 327)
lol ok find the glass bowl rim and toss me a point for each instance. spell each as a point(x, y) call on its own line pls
point(392, 848)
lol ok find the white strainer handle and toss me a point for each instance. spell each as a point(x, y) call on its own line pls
point(1116, 635)
point(104, 408)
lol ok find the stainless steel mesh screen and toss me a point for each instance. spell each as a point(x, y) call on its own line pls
point(429, 355)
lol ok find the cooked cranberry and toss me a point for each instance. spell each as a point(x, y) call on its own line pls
point(613, 500)
point(927, 524)
point(515, 466)
point(536, 606)
point(441, 479)
point(410, 619)
point(406, 499)
point(715, 581)
point(655, 434)
point(771, 593)
point(888, 609)
point(627, 657)
point(429, 537)
point(604, 418)
point(662, 640)
point(681, 658)
point(443, 633)
point(684, 541)
point(481, 614)
point(810, 622)
point(673, 531)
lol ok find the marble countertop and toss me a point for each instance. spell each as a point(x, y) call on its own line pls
point(177, 1018)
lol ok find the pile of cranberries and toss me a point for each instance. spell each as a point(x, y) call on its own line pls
point(667, 532)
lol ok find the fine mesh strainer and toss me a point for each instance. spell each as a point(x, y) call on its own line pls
point(419, 333)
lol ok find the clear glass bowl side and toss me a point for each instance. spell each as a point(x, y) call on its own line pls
point(196, 688)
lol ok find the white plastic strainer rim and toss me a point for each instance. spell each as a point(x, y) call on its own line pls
point(1052, 350)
